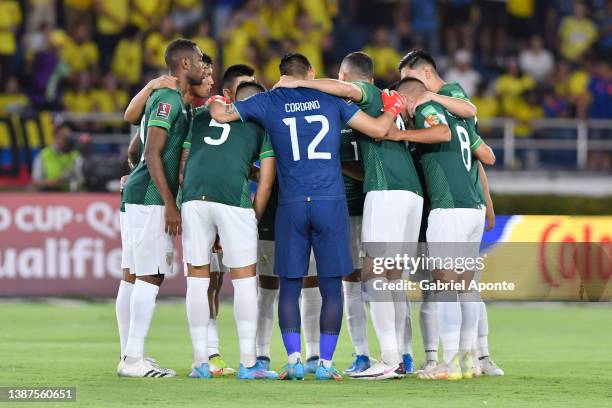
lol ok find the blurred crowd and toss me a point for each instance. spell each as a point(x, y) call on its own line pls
point(525, 59)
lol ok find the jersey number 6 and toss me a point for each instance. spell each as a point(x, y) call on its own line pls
point(312, 153)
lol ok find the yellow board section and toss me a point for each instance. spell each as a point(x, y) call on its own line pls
point(552, 258)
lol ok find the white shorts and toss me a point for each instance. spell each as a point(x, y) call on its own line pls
point(216, 264)
point(150, 249)
point(459, 229)
point(237, 229)
point(392, 216)
point(265, 263)
point(357, 253)
point(126, 259)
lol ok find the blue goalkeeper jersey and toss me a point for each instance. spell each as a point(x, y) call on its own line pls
point(304, 127)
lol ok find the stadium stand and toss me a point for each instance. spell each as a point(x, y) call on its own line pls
point(538, 71)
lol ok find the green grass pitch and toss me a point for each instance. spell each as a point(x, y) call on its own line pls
point(553, 356)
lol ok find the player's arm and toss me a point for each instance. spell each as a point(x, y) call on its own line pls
point(182, 163)
point(267, 174)
point(222, 111)
point(435, 134)
point(353, 169)
point(378, 127)
point(133, 151)
point(134, 111)
point(457, 106)
point(490, 211)
point(483, 152)
point(330, 86)
point(156, 140)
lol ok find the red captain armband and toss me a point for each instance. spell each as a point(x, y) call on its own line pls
point(220, 98)
point(392, 102)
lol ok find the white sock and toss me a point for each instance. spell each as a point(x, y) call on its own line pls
point(213, 337)
point(429, 329)
point(266, 298)
point(294, 357)
point(327, 363)
point(245, 314)
point(383, 318)
point(449, 321)
point(403, 324)
point(122, 311)
point(142, 306)
point(470, 310)
point(198, 314)
point(483, 331)
point(310, 310)
point(356, 319)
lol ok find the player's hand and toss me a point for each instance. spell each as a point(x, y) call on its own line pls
point(412, 104)
point(172, 216)
point(392, 102)
point(164, 81)
point(219, 98)
point(490, 218)
point(394, 134)
point(286, 82)
point(122, 182)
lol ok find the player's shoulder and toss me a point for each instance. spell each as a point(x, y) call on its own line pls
point(454, 90)
point(201, 115)
point(367, 86)
point(166, 93)
point(429, 108)
point(431, 113)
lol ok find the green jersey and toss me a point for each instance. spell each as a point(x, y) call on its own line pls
point(220, 158)
point(446, 166)
point(455, 90)
point(164, 109)
point(387, 165)
point(140, 151)
point(353, 188)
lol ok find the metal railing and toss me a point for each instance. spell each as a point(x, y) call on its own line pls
point(581, 140)
point(582, 143)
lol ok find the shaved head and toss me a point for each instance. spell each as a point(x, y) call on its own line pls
point(410, 86)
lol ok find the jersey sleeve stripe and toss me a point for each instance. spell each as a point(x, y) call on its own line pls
point(352, 116)
point(476, 144)
point(267, 153)
point(238, 112)
point(158, 123)
point(186, 145)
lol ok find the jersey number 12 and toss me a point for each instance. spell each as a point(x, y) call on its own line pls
point(312, 153)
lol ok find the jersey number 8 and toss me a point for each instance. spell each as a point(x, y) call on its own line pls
point(466, 153)
point(312, 153)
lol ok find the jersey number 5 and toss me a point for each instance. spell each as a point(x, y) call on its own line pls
point(312, 153)
point(224, 134)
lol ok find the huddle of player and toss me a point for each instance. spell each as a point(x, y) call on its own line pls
point(340, 182)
